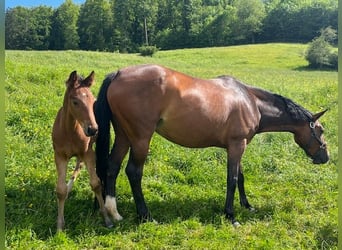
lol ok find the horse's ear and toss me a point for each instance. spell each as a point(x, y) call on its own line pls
point(315, 117)
point(72, 79)
point(89, 80)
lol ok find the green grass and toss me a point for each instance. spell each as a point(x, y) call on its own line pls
point(296, 201)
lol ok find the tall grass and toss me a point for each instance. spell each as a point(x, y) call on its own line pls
point(296, 201)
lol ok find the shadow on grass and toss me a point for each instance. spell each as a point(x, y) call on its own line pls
point(307, 68)
point(35, 209)
point(327, 237)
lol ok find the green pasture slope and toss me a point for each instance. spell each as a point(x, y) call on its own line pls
point(296, 201)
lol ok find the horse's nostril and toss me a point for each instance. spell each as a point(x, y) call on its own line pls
point(91, 130)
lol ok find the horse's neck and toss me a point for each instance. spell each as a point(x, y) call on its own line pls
point(274, 117)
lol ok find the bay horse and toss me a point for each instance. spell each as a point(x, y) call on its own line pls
point(73, 134)
point(192, 112)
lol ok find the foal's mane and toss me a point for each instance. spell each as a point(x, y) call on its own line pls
point(297, 112)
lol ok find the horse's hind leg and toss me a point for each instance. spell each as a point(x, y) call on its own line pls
point(241, 186)
point(118, 152)
point(61, 189)
point(96, 186)
point(134, 171)
point(74, 175)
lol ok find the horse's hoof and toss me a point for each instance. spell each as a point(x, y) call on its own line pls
point(146, 218)
point(155, 222)
point(236, 224)
point(252, 209)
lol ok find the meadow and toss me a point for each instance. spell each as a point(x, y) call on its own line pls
point(184, 188)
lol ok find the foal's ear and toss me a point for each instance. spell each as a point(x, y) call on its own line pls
point(89, 80)
point(315, 117)
point(72, 79)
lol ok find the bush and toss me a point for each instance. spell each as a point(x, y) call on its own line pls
point(334, 60)
point(148, 50)
point(320, 53)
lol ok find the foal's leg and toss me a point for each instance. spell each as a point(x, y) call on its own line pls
point(119, 151)
point(235, 151)
point(95, 184)
point(61, 189)
point(74, 175)
point(134, 171)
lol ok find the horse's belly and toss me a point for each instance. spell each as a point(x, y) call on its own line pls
point(190, 133)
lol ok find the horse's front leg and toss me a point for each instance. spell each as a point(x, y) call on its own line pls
point(61, 189)
point(235, 151)
point(95, 183)
point(134, 171)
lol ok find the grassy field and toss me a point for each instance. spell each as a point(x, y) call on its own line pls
point(296, 201)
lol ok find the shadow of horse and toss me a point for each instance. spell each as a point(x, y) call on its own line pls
point(35, 209)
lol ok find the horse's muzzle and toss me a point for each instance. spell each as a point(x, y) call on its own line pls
point(321, 157)
point(91, 131)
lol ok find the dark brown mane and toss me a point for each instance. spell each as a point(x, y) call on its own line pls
point(297, 112)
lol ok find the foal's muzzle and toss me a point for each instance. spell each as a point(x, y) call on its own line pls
point(91, 131)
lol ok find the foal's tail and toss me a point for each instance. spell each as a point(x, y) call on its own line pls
point(103, 116)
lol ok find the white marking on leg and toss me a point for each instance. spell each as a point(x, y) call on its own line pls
point(70, 184)
point(236, 224)
point(110, 205)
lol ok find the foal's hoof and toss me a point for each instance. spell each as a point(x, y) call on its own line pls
point(109, 225)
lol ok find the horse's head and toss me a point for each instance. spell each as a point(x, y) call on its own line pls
point(81, 101)
point(310, 137)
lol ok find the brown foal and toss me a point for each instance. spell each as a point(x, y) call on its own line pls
point(73, 134)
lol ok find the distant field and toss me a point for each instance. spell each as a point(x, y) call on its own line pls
point(296, 201)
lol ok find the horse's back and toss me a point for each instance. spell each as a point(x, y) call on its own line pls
point(189, 111)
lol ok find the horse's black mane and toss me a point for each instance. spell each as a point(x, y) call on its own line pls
point(297, 112)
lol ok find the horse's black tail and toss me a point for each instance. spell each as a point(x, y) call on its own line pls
point(103, 116)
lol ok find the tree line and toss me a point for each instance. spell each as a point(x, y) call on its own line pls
point(125, 25)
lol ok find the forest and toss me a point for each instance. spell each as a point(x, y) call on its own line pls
point(125, 25)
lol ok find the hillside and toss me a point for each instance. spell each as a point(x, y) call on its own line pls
point(296, 201)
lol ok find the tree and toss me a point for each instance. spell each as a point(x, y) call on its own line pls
point(297, 21)
point(28, 28)
point(64, 32)
point(218, 32)
point(41, 21)
point(95, 26)
point(17, 26)
point(250, 15)
point(129, 20)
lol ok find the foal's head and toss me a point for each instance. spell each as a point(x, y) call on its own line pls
point(80, 101)
point(310, 137)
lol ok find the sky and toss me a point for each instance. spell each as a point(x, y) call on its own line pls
point(35, 3)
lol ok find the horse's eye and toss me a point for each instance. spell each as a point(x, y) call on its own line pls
point(75, 102)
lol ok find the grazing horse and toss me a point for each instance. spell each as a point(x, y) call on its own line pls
point(192, 112)
point(73, 135)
